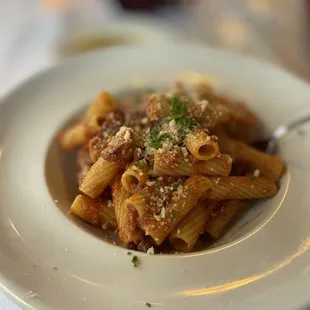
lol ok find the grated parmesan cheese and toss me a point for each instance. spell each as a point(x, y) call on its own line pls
point(157, 217)
point(150, 251)
point(125, 132)
point(229, 160)
point(203, 105)
point(184, 151)
point(256, 173)
point(121, 131)
point(172, 124)
point(144, 121)
point(31, 294)
point(150, 183)
point(163, 213)
point(127, 135)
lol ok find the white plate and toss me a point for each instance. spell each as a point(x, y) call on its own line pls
point(263, 263)
point(121, 33)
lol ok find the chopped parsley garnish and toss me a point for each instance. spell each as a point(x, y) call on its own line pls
point(155, 139)
point(135, 261)
point(210, 111)
point(148, 304)
point(187, 124)
point(252, 177)
point(129, 253)
point(178, 109)
point(173, 217)
point(141, 164)
point(176, 185)
point(208, 96)
point(178, 113)
point(157, 188)
point(179, 127)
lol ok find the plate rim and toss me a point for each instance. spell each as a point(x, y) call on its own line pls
point(14, 297)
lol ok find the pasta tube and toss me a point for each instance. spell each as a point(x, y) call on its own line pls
point(187, 232)
point(98, 177)
point(93, 212)
point(201, 145)
point(242, 188)
point(134, 175)
point(222, 215)
point(185, 199)
point(270, 167)
point(126, 217)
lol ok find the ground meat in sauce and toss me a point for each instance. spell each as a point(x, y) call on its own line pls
point(119, 149)
point(115, 145)
point(83, 159)
point(171, 160)
point(111, 124)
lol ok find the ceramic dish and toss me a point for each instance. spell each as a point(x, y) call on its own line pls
point(121, 33)
point(49, 260)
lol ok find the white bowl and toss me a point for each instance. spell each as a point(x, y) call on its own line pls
point(48, 261)
point(118, 33)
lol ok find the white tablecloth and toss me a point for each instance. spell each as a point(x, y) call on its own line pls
point(16, 31)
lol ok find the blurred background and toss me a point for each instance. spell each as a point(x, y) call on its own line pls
point(35, 34)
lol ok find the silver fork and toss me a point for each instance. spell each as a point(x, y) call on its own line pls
point(269, 144)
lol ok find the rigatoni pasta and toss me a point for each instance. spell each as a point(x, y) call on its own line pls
point(183, 200)
point(73, 137)
point(269, 166)
point(201, 145)
point(221, 214)
point(241, 187)
point(98, 177)
point(89, 126)
point(94, 212)
point(135, 175)
point(126, 216)
point(218, 166)
point(187, 232)
point(170, 170)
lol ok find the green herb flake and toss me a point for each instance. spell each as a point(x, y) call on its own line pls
point(135, 261)
point(208, 96)
point(176, 185)
point(178, 109)
point(156, 140)
point(157, 188)
point(252, 177)
point(129, 253)
point(210, 111)
point(141, 165)
point(178, 113)
point(148, 304)
point(173, 217)
point(186, 125)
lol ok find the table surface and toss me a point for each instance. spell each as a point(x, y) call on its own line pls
point(28, 33)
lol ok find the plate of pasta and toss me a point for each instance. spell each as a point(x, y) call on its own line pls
point(134, 184)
